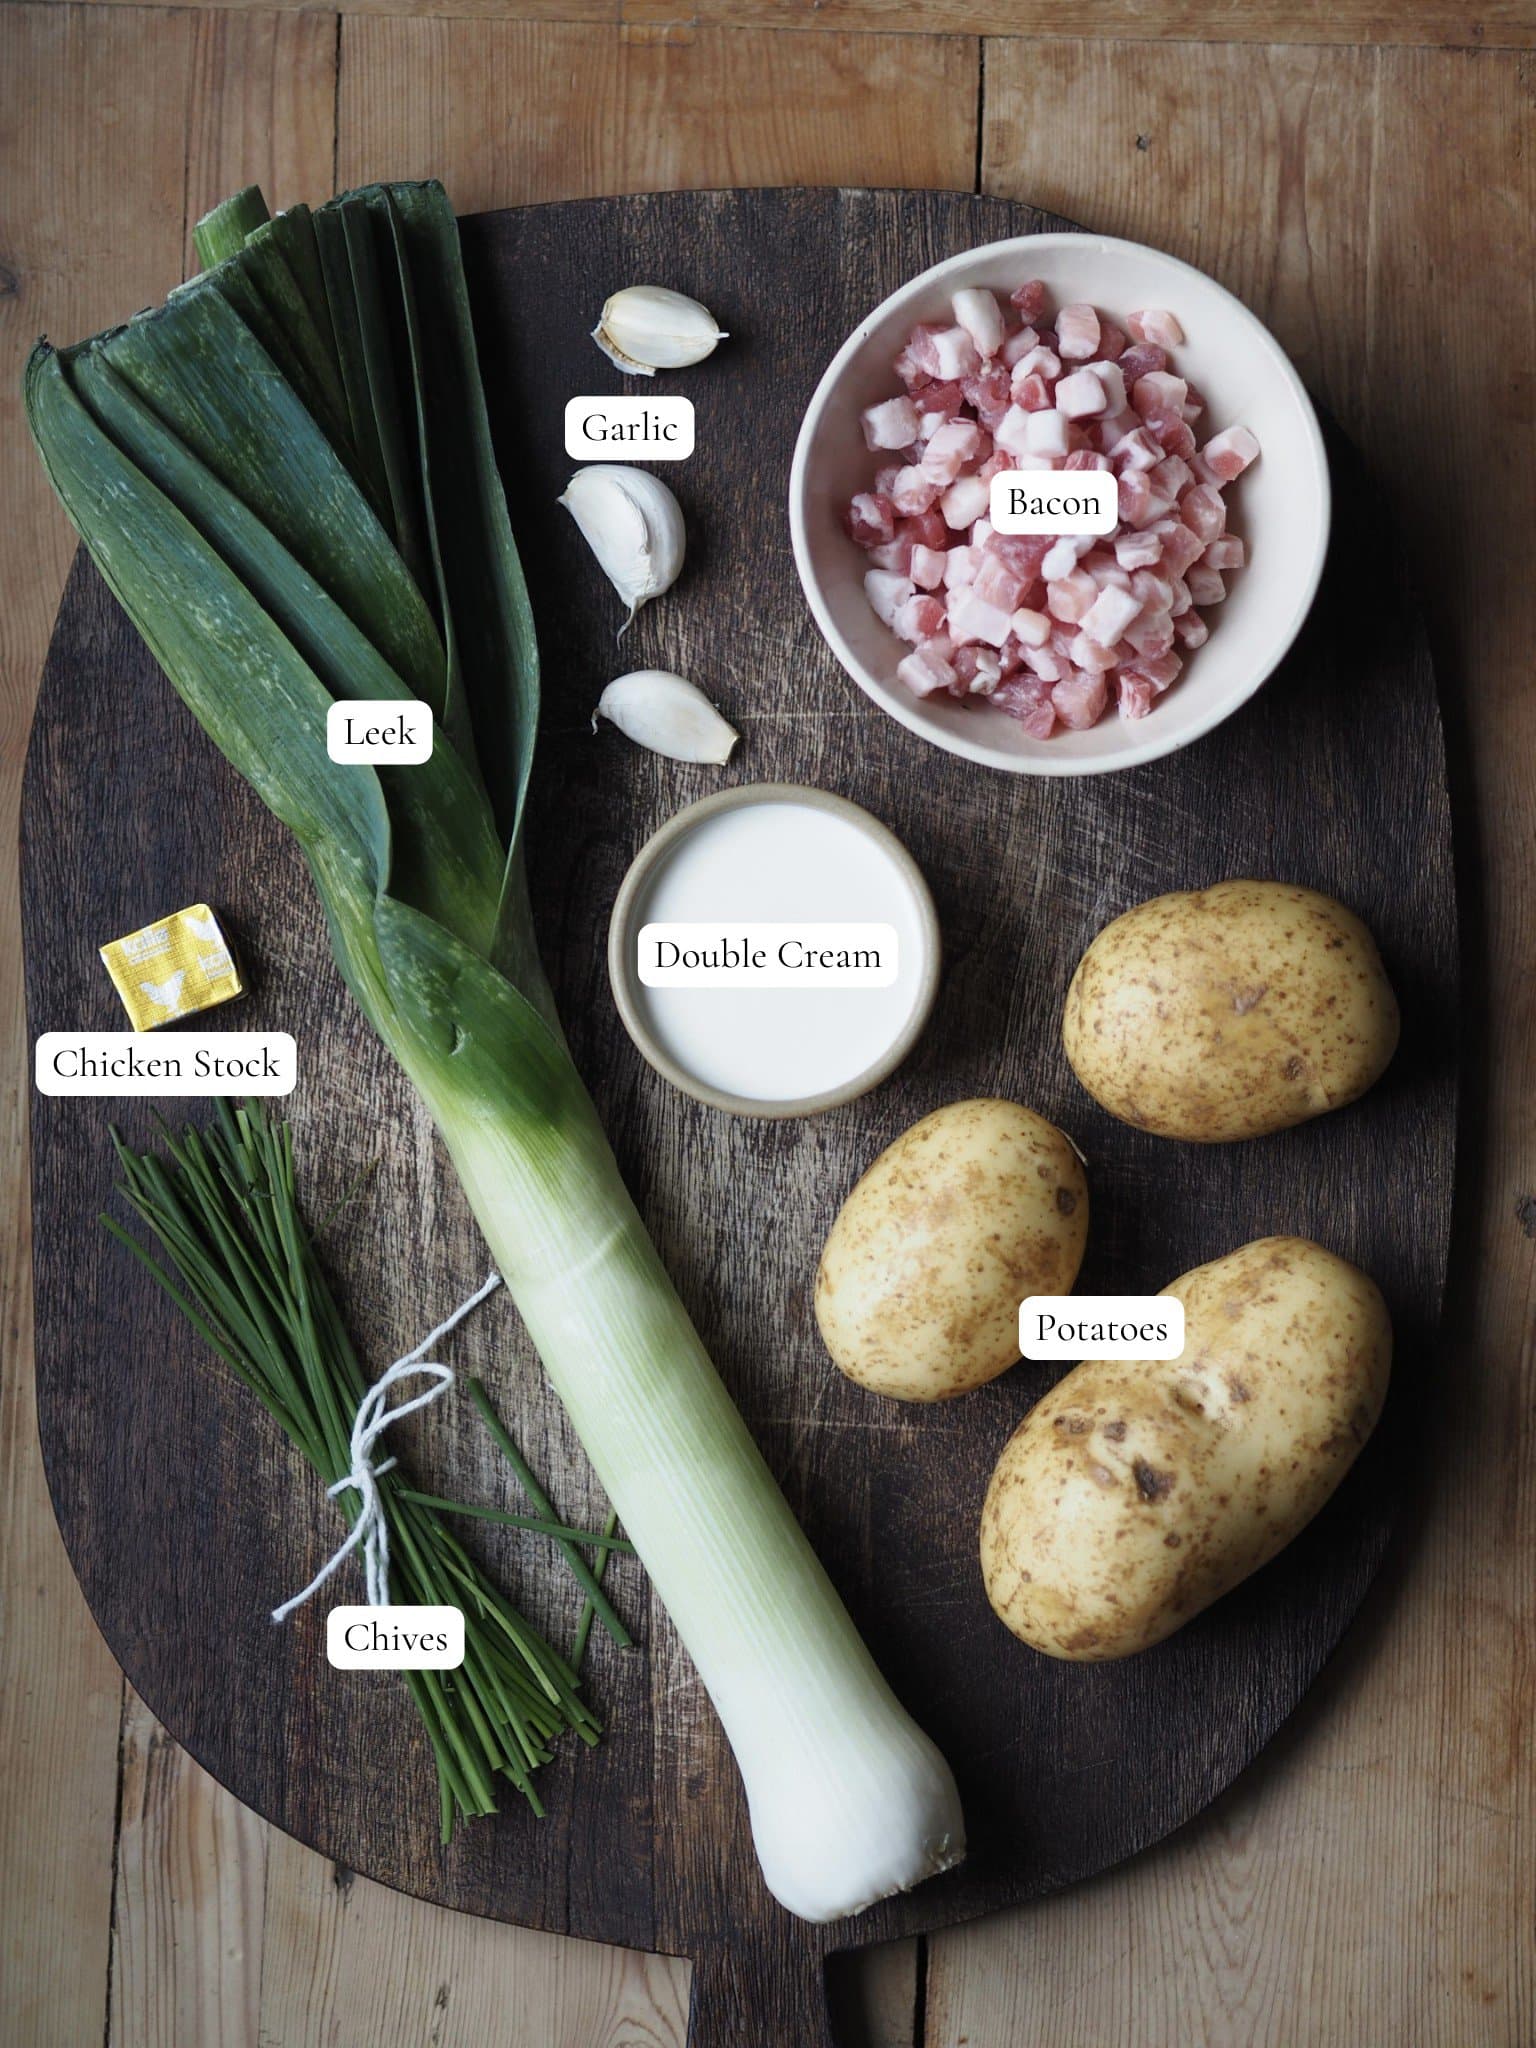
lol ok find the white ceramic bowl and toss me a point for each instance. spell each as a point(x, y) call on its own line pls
point(1280, 505)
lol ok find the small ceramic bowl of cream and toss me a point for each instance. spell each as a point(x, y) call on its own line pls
point(774, 951)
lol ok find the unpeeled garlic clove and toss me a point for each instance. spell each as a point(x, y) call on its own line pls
point(647, 328)
point(668, 714)
point(634, 526)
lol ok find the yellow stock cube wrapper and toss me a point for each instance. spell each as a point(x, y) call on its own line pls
point(173, 968)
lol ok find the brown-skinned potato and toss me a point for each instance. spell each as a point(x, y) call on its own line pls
point(1139, 1491)
point(969, 1212)
point(1230, 1012)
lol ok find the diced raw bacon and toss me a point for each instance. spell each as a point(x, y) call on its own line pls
point(1228, 454)
point(926, 530)
point(1178, 437)
point(1180, 546)
point(960, 566)
point(965, 501)
point(1107, 618)
point(922, 358)
point(955, 352)
point(1137, 550)
point(1115, 400)
point(887, 591)
point(1077, 333)
point(926, 567)
point(999, 584)
point(1151, 635)
point(949, 449)
point(892, 424)
point(1064, 554)
point(1039, 362)
point(1031, 628)
point(1136, 693)
point(978, 312)
point(1155, 325)
point(920, 618)
point(1018, 344)
point(914, 491)
point(935, 405)
point(1069, 597)
point(1079, 700)
point(1022, 551)
point(871, 519)
point(1135, 497)
point(1158, 391)
point(1154, 593)
point(1082, 396)
point(1029, 297)
point(1162, 671)
point(979, 668)
point(1171, 476)
point(1085, 652)
point(1140, 360)
point(990, 392)
point(1022, 618)
point(1032, 394)
point(1136, 450)
point(971, 618)
point(925, 672)
point(1203, 510)
point(1045, 433)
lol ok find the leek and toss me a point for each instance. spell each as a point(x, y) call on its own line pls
point(285, 475)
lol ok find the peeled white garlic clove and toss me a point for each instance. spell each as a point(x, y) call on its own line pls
point(647, 328)
point(668, 714)
point(634, 526)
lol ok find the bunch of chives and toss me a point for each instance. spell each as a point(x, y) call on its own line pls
point(222, 1206)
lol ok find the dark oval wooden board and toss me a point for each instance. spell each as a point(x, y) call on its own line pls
point(186, 1518)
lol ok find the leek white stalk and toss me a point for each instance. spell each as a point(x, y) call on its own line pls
point(849, 1800)
point(289, 529)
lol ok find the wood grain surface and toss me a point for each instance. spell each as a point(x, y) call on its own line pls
point(1064, 1770)
point(1369, 1880)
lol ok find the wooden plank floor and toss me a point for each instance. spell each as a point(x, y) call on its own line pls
point(1370, 193)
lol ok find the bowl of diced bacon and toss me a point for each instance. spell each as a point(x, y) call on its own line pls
point(1052, 655)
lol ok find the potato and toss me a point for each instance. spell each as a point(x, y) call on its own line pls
point(967, 1213)
point(1137, 1492)
point(1230, 1012)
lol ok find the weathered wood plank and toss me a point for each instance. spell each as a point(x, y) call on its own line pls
point(1369, 1880)
point(506, 112)
point(191, 1875)
point(348, 1961)
point(1497, 24)
point(91, 227)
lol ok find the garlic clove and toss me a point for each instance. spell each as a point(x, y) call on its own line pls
point(647, 328)
point(669, 715)
point(633, 525)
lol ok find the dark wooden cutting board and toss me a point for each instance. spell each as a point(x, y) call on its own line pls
point(187, 1519)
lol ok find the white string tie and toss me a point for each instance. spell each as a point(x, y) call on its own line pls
point(371, 1529)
